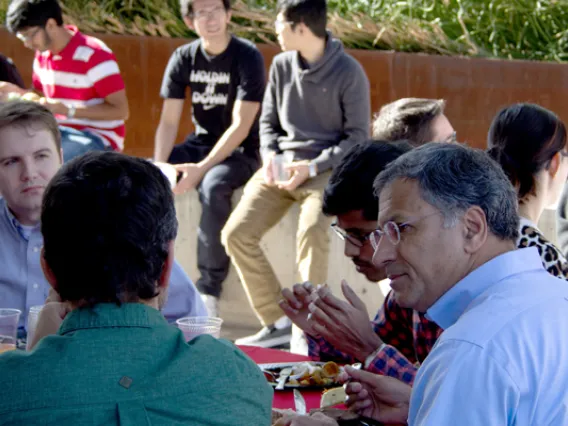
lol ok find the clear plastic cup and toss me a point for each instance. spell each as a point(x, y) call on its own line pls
point(279, 163)
point(9, 319)
point(33, 315)
point(192, 327)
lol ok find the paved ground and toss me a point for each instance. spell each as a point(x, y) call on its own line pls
point(231, 330)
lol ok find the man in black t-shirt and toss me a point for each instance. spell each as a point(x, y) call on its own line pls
point(226, 78)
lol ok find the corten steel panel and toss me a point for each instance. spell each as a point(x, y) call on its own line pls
point(474, 89)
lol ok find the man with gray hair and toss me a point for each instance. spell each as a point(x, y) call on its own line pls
point(447, 228)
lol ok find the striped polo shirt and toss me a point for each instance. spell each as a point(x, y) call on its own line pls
point(82, 74)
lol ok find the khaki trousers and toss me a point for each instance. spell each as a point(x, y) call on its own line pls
point(260, 208)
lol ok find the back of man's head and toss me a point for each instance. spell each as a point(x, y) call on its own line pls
point(408, 118)
point(452, 178)
point(350, 186)
point(24, 14)
point(107, 222)
point(313, 13)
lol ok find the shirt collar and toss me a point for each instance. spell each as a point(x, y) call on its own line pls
point(107, 315)
point(448, 308)
point(14, 223)
point(69, 48)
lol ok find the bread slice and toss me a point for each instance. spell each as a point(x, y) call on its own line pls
point(333, 397)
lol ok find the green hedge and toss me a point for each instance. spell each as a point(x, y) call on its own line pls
point(514, 29)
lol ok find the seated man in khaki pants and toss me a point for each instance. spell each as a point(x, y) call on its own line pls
point(315, 107)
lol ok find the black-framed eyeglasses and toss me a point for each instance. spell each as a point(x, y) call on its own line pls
point(393, 230)
point(29, 36)
point(356, 240)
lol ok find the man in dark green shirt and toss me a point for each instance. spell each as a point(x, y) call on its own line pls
point(115, 360)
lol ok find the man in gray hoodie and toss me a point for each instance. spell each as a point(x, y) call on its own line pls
point(316, 106)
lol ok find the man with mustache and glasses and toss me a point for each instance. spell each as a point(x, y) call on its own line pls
point(30, 155)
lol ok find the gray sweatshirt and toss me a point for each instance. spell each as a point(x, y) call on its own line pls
point(319, 112)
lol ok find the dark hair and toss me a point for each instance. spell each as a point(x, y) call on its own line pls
point(32, 13)
point(26, 113)
point(186, 7)
point(350, 186)
point(313, 13)
point(107, 220)
point(523, 138)
point(408, 118)
point(452, 178)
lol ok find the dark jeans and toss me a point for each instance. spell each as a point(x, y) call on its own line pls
point(215, 192)
point(76, 142)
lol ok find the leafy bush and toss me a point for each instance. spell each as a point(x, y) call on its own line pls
point(514, 29)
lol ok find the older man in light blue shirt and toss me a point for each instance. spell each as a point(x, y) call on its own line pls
point(448, 223)
point(506, 328)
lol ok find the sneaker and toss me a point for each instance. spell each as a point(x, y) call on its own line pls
point(268, 337)
point(212, 304)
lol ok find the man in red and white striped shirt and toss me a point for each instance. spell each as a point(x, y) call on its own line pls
point(77, 74)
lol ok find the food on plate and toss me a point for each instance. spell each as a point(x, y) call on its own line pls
point(31, 96)
point(332, 397)
point(309, 374)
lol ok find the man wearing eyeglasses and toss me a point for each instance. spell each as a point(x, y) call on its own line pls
point(226, 77)
point(77, 74)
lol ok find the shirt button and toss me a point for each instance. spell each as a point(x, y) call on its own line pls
point(36, 286)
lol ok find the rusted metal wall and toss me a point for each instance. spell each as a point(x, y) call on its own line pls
point(475, 89)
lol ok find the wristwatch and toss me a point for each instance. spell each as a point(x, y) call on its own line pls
point(312, 169)
point(71, 111)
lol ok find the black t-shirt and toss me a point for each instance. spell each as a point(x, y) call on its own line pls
point(216, 82)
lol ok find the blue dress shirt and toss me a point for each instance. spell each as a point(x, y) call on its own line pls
point(500, 360)
point(23, 285)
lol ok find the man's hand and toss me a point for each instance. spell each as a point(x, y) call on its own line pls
point(49, 320)
point(317, 419)
point(299, 173)
point(382, 398)
point(344, 324)
point(192, 174)
point(296, 306)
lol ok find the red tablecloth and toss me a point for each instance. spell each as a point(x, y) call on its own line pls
point(285, 398)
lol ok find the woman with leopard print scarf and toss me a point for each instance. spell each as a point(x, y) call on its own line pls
point(529, 142)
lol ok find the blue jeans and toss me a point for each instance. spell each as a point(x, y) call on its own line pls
point(76, 142)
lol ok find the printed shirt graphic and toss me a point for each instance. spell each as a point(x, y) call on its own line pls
point(216, 82)
point(82, 74)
